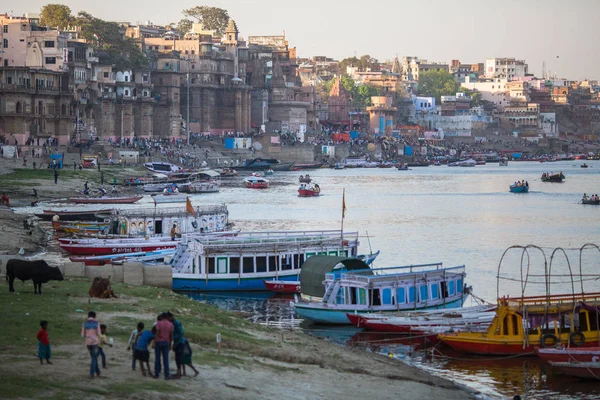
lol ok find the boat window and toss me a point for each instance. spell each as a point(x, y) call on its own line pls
point(444, 286)
point(285, 262)
point(248, 265)
point(222, 265)
point(505, 326)
point(261, 264)
point(234, 265)
point(459, 284)
point(362, 296)
point(401, 295)
point(375, 297)
point(272, 264)
point(298, 260)
point(435, 291)
point(583, 321)
point(343, 253)
point(386, 296)
point(594, 319)
point(515, 325)
point(308, 255)
point(351, 295)
point(332, 253)
point(339, 298)
point(158, 227)
point(424, 293)
point(451, 291)
point(411, 294)
point(211, 265)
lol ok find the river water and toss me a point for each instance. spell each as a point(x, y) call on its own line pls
point(453, 215)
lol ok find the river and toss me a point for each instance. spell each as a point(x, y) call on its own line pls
point(453, 215)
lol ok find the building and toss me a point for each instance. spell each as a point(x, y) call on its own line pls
point(413, 66)
point(462, 71)
point(423, 104)
point(494, 90)
point(548, 124)
point(526, 115)
point(382, 115)
point(508, 68)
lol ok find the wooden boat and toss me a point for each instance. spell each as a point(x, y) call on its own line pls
point(519, 189)
point(269, 172)
point(59, 226)
point(169, 198)
point(339, 166)
point(309, 190)
point(402, 167)
point(111, 258)
point(393, 289)
point(298, 167)
point(553, 177)
point(211, 186)
point(503, 163)
point(256, 182)
point(589, 370)
point(63, 215)
point(592, 202)
point(304, 179)
point(115, 246)
point(262, 164)
point(245, 261)
point(570, 354)
point(105, 200)
point(227, 172)
point(162, 167)
point(282, 286)
point(584, 165)
point(418, 164)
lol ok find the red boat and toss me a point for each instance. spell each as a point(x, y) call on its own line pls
point(283, 286)
point(256, 182)
point(105, 200)
point(589, 370)
point(309, 191)
point(579, 354)
point(114, 246)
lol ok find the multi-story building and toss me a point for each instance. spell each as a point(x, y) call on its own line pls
point(493, 90)
point(462, 71)
point(523, 115)
point(508, 68)
point(382, 115)
point(413, 66)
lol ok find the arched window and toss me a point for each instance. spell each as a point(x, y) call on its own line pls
point(18, 107)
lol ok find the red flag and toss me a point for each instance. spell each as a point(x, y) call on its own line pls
point(344, 203)
point(188, 207)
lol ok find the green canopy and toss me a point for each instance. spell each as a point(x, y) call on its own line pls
point(314, 269)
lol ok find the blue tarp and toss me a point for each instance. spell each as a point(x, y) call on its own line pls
point(229, 143)
point(354, 134)
point(408, 150)
point(58, 158)
point(516, 155)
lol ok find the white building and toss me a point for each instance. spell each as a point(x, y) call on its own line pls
point(548, 124)
point(509, 68)
point(494, 90)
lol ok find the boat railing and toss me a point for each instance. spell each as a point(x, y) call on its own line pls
point(449, 273)
point(282, 235)
point(557, 299)
point(280, 244)
point(170, 211)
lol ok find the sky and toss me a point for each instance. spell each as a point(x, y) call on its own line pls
point(563, 33)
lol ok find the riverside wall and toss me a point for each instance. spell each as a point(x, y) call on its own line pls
point(132, 273)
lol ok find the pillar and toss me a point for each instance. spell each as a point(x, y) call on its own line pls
point(238, 111)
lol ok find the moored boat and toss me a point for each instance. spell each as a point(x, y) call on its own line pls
point(282, 286)
point(519, 189)
point(163, 198)
point(66, 215)
point(570, 354)
point(163, 167)
point(589, 370)
point(115, 246)
point(503, 163)
point(105, 200)
point(256, 182)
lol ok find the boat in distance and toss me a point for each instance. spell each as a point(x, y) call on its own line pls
point(105, 200)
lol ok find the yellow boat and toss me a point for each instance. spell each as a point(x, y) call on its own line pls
point(522, 324)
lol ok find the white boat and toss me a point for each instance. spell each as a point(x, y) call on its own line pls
point(362, 291)
point(162, 167)
point(503, 163)
point(201, 187)
point(169, 198)
point(243, 262)
point(466, 163)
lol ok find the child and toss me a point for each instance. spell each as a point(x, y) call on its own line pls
point(102, 340)
point(141, 348)
point(133, 341)
point(43, 343)
point(187, 359)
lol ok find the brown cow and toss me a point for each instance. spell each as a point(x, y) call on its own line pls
point(101, 288)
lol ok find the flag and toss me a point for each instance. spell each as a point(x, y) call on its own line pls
point(188, 207)
point(96, 38)
point(344, 203)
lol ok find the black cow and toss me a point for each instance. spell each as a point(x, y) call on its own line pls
point(38, 271)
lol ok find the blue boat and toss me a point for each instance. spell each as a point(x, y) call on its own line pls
point(362, 291)
point(244, 261)
point(519, 189)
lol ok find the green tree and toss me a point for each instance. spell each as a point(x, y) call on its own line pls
point(475, 96)
point(184, 26)
point(437, 84)
point(55, 16)
point(212, 18)
point(125, 52)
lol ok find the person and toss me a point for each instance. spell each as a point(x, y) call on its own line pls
point(34, 164)
point(162, 344)
point(133, 338)
point(526, 184)
point(585, 196)
point(102, 178)
point(140, 352)
point(5, 200)
point(178, 341)
point(173, 232)
point(317, 187)
point(43, 343)
point(35, 194)
point(102, 340)
point(55, 176)
point(187, 359)
point(91, 332)
point(74, 166)
point(175, 190)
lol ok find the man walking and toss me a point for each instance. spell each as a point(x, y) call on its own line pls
point(162, 342)
point(55, 176)
point(91, 331)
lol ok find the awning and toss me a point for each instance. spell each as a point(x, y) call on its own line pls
point(314, 269)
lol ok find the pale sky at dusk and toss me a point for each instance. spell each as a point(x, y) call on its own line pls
point(436, 30)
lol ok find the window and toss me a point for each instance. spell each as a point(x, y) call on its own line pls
point(211, 265)
point(126, 78)
point(272, 264)
point(127, 93)
point(261, 264)
point(49, 43)
point(234, 265)
point(248, 265)
point(5, 29)
point(18, 108)
point(106, 74)
point(9, 79)
point(5, 43)
point(50, 60)
point(6, 63)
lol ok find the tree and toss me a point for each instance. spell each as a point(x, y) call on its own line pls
point(55, 16)
point(475, 96)
point(437, 84)
point(212, 18)
point(184, 26)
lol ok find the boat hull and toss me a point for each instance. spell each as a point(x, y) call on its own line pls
point(307, 193)
point(322, 315)
point(588, 370)
point(105, 200)
point(569, 355)
point(115, 249)
point(591, 202)
point(232, 284)
point(519, 189)
point(279, 286)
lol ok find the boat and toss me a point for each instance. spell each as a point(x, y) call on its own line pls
point(143, 256)
point(464, 163)
point(553, 177)
point(163, 167)
point(269, 172)
point(304, 179)
point(115, 246)
point(309, 190)
point(569, 354)
point(470, 319)
point(519, 189)
point(590, 370)
point(262, 164)
point(282, 286)
point(361, 290)
point(256, 182)
point(65, 215)
point(201, 187)
point(584, 165)
point(298, 167)
point(477, 162)
point(503, 163)
point(418, 164)
point(339, 166)
point(589, 201)
point(77, 229)
point(60, 226)
point(243, 262)
point(163, 198)
point(105, 200)
point(402, 167)
point(227, 172)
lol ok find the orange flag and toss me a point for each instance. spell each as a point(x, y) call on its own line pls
point(188, 207)
point(344, 203)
